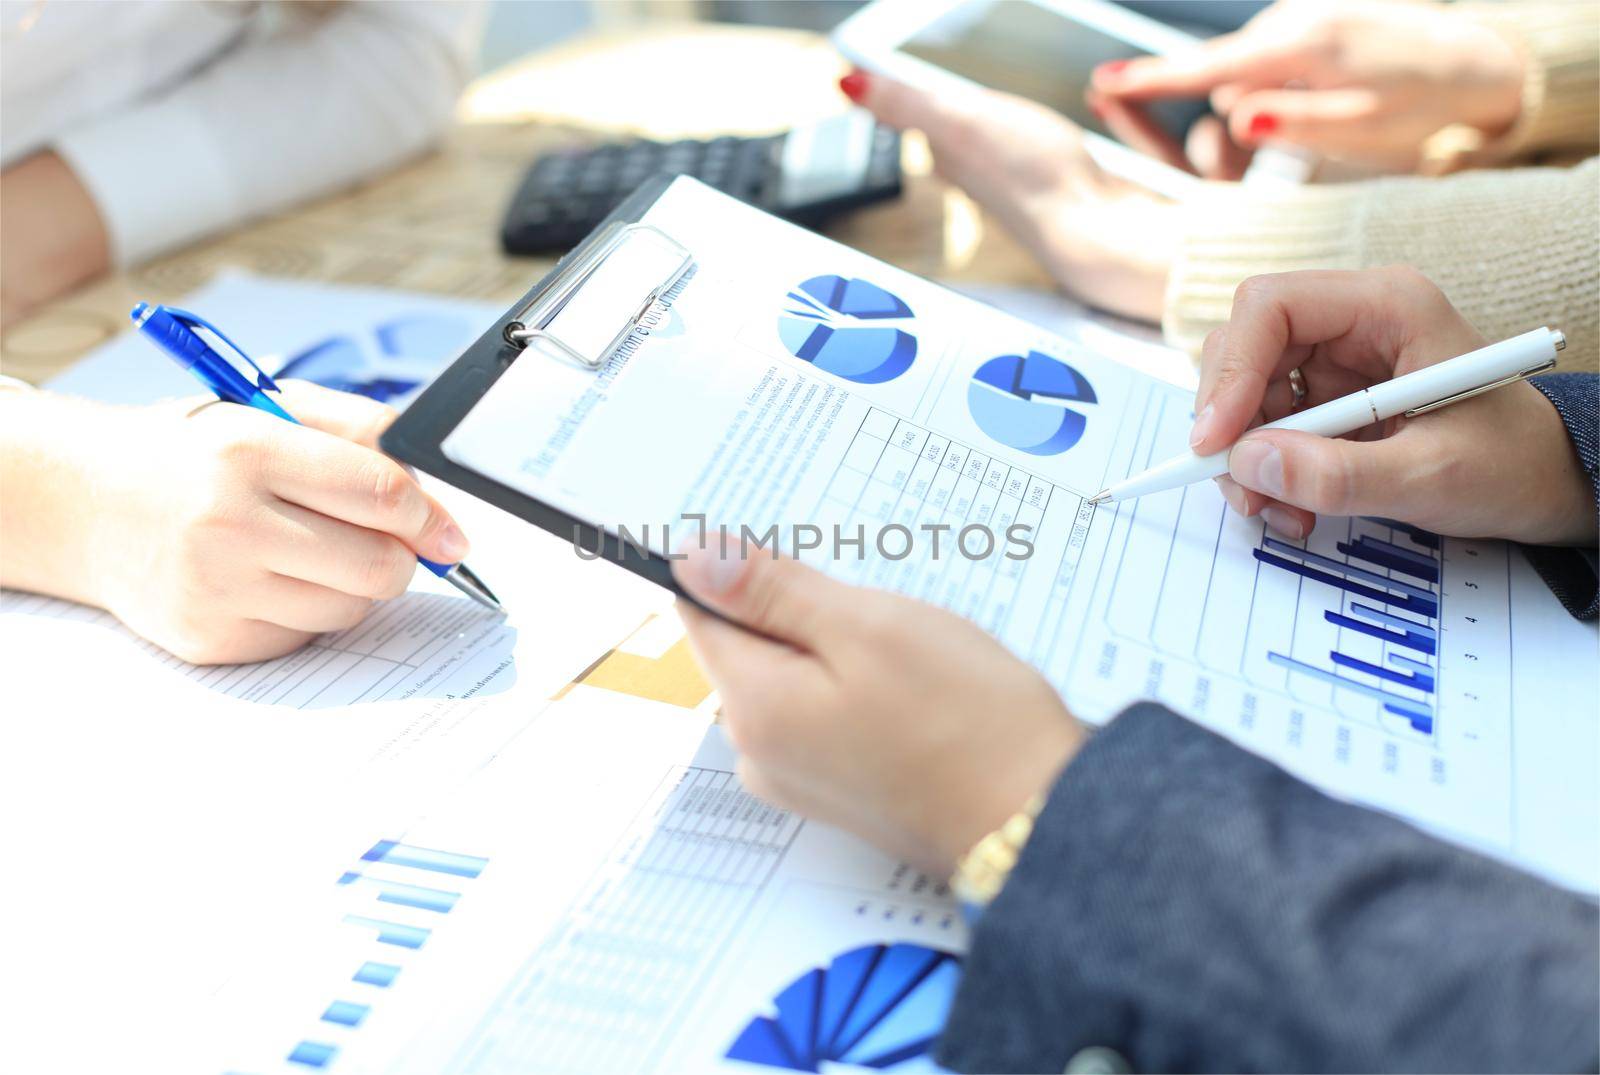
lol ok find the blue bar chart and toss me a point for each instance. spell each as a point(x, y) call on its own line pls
point(398, 892)
point(1385, 592)
point(399, 916)
point(423, 858)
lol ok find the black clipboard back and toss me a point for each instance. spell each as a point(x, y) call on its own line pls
point(417, 436)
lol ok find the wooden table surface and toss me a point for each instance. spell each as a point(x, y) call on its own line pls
point(434, 225)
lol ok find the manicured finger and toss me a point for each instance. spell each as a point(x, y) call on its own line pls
point(366, 564)
point(344, 414)
point(1194, 72)
point(344, 481)
point(1328, 475)
point(905, 107)
point(1326, 120)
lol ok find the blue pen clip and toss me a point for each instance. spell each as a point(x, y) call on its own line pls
point(264, 381)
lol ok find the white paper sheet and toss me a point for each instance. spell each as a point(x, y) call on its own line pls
point(174, 824)
point(798, 382)
point(651, 929)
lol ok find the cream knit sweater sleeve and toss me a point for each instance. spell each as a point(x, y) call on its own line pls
point(1513, 250)
point(1560, 44)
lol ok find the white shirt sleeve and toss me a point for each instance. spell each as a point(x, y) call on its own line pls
point(311, 107)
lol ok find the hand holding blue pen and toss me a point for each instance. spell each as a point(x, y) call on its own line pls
point(174, 332)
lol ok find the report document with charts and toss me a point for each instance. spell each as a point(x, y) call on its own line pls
point(903, 437)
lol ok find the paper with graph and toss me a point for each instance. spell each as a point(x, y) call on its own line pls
point(897, 435)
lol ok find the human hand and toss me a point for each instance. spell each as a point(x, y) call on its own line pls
point(1104, 239)
point(1497, 465)
point(900, 722)
point(228, 535)
point(1366, 80)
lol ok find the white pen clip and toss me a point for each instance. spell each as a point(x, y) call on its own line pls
point(597, 303)
point(1559, 342)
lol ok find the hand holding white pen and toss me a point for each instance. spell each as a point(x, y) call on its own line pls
point(1369, 352)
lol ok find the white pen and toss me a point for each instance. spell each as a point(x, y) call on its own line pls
point(1415, 393)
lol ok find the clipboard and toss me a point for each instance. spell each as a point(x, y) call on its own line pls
point(417, 436)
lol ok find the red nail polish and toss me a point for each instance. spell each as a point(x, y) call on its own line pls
point(1262, 123)
point(854, 86)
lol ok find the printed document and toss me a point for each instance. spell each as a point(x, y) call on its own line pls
point(900, 436)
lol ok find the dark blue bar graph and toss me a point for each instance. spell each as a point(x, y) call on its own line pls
point(1422, 606)
point(313, 1054)
point(1348, 570)
point(1391, 556)
point(1377, 615)
point(1418, 680)
point(1416, 534)
point(1420, 714)
point(1417, 641)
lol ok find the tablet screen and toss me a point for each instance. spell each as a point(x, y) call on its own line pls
point(1037, 53)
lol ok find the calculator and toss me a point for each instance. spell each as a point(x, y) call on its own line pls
point(807, 175)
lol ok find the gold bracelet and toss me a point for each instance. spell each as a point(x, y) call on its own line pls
point(981, 873)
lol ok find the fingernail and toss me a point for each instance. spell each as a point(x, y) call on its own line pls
point(1262, 123)
point(710, 570)
point(1202, 425)
point(1233, 495)
point(854, 85)
point(1257, 464)
point(1111, 67)
point(453, 545)
point(1282, 522)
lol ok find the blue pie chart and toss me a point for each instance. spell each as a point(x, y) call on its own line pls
point(1023, 402)
point(834, 323)
point(879, 1006)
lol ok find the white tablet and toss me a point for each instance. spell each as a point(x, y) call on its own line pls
point(1044, 50)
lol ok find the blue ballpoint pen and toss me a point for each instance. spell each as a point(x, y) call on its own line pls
point(173, 331)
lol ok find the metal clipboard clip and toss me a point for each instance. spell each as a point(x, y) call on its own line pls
point(538, 321)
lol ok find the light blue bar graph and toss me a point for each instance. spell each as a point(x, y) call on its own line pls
point(1411, 708)
point(346, 1013)
point(1402, 661)
point(313, 1054)
point(427, 899)
point(379, 974)
point(392, 932)
point(424, 858)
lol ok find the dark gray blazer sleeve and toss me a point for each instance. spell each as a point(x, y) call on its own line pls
point(1573, 574)
point(1194, 907)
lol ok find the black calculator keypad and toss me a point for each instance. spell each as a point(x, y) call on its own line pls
point(566, 193)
